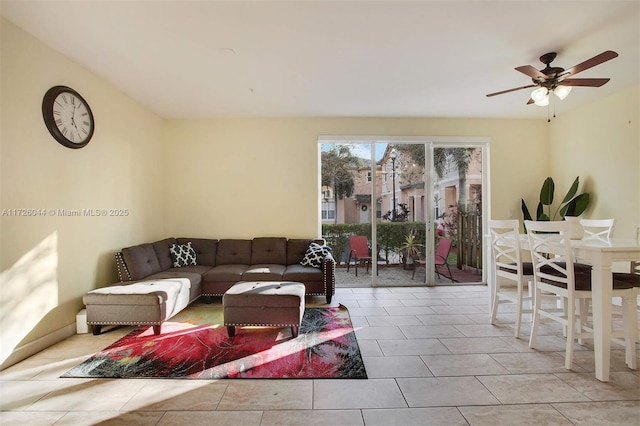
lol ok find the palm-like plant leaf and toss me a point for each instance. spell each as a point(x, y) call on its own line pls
point(525, 210)
point(572, 191)
point(546, 193)
point(576, 207)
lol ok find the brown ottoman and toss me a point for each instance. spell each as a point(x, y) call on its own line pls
point(142, 303)
point(264, 303)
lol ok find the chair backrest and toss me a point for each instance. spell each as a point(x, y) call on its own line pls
point(359, 245)
point(601, 229)
point(442, 250)
point(505, 248)
point(551, 253)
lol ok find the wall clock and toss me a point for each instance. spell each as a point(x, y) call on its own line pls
point(68, 117)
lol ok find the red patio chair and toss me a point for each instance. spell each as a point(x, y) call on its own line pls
point(359, 252)
point(442, 253)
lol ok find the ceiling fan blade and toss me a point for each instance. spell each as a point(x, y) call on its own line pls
point(511, 90)
point(532, 72)
point(596, 60)
point(587, 82)
point(531, 101)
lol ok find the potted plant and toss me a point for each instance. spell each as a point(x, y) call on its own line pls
point(411, 249)
point(571, 205)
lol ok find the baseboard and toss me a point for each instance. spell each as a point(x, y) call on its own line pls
point(25, 351)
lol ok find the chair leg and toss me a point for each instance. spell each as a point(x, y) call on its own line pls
point(435, 267)
point(349, 262)
point(583, 311)
point(536, 318)
point(494, 307)
point(571, 330)
point(450, 274)
point(630, 317)
point(518, 309)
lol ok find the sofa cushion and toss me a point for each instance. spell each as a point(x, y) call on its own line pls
point(182, 255)
point(315, 255)
point(303, 274)
point(264, 272)
point(296, 248)
point(192, 273)
point(141, 261)
point(194, 278)
point(269, 250)
point(233, 252)
point(225, 273)
point(205, 249)
point(162, 252)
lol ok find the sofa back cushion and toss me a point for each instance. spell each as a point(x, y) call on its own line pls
point(269, 250)
point(141, 261)
point(296, 248)
point(233, 252)
point(206, 249)
point(163, 254)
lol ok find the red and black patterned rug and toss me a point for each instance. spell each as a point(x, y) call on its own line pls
point(194, 345)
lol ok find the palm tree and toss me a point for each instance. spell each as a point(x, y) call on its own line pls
point(337, 172)
point(461, 157)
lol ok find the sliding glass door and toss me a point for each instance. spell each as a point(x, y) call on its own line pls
point(407, 199)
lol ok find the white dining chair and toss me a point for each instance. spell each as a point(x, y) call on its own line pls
point(508, 264)
point(600, 229)
point(555, 272)
point(633, 276)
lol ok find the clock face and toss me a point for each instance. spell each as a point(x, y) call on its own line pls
point(68, 117)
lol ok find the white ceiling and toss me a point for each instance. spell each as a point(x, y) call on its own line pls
point(198, 59)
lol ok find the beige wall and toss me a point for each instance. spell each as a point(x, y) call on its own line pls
point(48, 262)
point(601, 143)
point(247, 177)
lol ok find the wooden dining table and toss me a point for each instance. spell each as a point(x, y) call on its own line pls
point(601, 254)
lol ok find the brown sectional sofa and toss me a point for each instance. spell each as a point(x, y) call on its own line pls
point(222, 263)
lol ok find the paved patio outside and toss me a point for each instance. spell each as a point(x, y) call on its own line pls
point(397, 276)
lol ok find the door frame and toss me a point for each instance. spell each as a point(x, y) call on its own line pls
point(430, 143)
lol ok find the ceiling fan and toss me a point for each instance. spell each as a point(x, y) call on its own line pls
point(557, 80)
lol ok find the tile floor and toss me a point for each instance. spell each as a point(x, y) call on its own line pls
point(431, 356)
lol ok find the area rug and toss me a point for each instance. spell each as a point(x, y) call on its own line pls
point(194, 345)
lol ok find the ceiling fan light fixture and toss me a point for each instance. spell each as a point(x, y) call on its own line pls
point(540, 96)
point(562, 91)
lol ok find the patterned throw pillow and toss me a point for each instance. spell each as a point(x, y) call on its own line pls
point(315, 255)
point(182, 255)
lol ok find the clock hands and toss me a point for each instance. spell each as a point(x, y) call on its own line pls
point(73, 120)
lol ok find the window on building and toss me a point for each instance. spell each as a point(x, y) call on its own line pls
point(328, 210)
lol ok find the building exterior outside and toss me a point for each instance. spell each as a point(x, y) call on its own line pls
point(401, 181)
